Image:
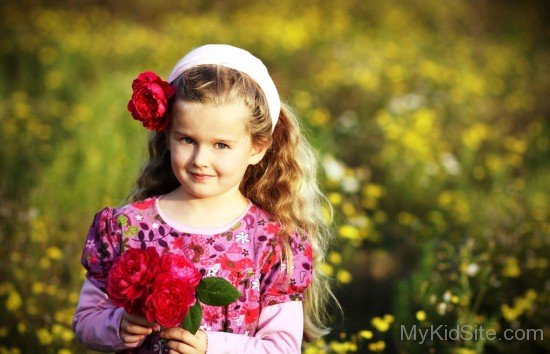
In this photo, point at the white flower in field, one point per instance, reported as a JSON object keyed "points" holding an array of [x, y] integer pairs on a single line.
{"points": [[242, 237], [350, 184], [139, 217], [441, 308], [447, 296], [348, 120], [359, 221], [333, 168], [155, 225], [472, 269], [450, 164], [408, 102]]}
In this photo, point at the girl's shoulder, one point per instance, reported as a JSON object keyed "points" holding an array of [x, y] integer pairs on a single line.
{"points": [[142, 209], [260, 215], [265, 229], [138, 206], [260, 222]]}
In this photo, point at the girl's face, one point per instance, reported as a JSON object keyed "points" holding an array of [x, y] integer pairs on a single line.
{"points": [[211, 148]]}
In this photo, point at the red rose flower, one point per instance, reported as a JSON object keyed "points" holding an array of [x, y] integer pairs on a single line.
{"points": [[180, 267], [169, 301], [149, 103], [162, 287], [130, 277]]}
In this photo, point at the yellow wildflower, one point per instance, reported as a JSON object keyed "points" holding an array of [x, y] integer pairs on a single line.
{"points": [[365, 334], [54, 253], [380, 324], [335, 257], [421, 315], [349, 232], [38, 287], [335, 198], [510, 314], [373, 190], [14, 301], [344, 276], [348, 209], [327, 269], [378, 346], [511, 268], [44, 336], [21, 327]]}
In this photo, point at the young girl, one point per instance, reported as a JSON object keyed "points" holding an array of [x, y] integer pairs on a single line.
{"points": [[231, 184]]}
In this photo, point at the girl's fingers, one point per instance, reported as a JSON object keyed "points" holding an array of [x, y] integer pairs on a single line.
{"points": [[180, 348], [180, 335], [136, 329], [130, 339]]}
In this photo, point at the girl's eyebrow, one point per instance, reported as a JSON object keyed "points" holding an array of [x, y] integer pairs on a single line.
{"points": [[222, 140], [226, 140]]}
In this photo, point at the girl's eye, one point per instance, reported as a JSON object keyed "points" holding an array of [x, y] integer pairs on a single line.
{"points": [[222, 146], [186, 140]]}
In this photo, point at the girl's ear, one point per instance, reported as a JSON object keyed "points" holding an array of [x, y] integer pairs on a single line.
{"points": [[258, 153]]}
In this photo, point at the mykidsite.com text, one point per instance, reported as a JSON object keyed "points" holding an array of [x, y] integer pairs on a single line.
{"points": [[466, 333]]}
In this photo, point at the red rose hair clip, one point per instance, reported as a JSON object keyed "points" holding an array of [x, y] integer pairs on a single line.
{"points": [[149, 103]]}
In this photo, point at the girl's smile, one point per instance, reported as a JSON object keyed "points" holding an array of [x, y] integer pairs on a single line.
{"points": [[200, 177]]}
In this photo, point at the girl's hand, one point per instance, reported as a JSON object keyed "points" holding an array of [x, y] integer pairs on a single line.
{"points": [[183, 342], [134, 329]]}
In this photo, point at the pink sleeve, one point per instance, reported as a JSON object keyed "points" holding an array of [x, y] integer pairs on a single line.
{"points": [[102, 246], [280, 330], [96, 321]]}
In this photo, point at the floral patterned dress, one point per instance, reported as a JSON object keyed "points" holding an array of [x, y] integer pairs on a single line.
{"points": [[247, 253]]}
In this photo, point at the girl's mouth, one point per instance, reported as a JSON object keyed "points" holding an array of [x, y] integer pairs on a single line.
{"points": [[199, 176]]}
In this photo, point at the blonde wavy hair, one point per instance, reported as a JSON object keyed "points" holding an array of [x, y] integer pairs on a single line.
{"points": [[284, 183]]}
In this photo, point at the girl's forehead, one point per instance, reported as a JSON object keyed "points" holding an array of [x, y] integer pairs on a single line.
{"points": [[210, 119]]}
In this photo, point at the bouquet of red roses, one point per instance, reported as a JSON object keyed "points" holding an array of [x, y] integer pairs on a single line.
{"points": [[165, 289]]}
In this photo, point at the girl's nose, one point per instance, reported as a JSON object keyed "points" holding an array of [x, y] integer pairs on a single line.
{"points": [[200, 159]]}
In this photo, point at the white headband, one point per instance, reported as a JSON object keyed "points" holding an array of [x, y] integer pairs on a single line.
{"points": [[234, 58]]}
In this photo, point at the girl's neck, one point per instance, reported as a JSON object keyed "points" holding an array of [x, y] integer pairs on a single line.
{"points": [[202, 212]]}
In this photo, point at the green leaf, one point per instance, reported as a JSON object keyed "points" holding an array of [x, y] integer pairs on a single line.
{"points": [[216, 291], [193, 319]]}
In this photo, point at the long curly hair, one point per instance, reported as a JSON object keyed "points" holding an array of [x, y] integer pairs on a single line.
{"points": [[284, 183]]}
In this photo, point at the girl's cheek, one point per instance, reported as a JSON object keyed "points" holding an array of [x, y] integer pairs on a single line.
{"points": [[180, 154]]}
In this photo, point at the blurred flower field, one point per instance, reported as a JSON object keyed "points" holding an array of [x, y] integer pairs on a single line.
{"points": [[431, 121]]}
